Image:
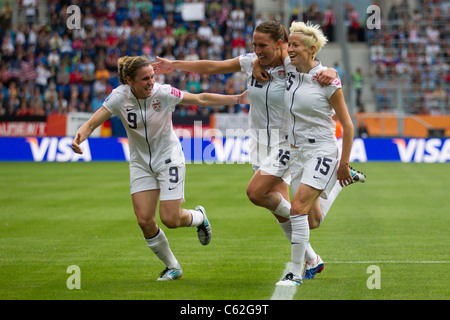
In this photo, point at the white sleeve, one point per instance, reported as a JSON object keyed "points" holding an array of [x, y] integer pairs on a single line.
{"points": [[173, 96], [113, 102], [331, 89], [246, 61]]}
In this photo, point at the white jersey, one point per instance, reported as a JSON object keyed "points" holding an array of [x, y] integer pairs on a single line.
{"points": [[268, 116], [307, 101], [152, 141]]}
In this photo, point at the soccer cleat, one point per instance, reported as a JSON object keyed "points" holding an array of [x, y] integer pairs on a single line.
{"points": [[170, 274], [204, 231], [357, 176], [290, 280], [311, 268]]}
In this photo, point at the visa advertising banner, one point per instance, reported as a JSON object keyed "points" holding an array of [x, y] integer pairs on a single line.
{"points": [[213, 150]]}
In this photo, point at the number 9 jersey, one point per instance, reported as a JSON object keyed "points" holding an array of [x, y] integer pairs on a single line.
{"points": [[153, 144]]}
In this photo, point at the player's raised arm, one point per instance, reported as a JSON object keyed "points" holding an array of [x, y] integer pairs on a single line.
{"points": [[213, 99], [100, 116], [197, 66]]}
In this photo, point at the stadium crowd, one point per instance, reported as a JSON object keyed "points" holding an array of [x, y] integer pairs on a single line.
{"points": [[410, 57], [54, 69]]}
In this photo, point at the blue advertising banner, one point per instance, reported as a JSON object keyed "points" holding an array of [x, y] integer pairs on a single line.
{"points": [[226, 150]]}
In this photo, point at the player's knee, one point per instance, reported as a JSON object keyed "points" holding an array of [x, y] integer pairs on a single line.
{"points": [[313, 223], [298, 209], [254, 196], [170, 222], [146, 222]]}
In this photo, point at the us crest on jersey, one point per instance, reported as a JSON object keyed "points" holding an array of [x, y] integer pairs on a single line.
{"points": [[156, 105]]}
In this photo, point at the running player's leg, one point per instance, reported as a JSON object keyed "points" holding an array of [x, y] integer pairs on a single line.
{"points": [[172, 215], [320, 210], [144, 204], [270, 192], [302, 201]]}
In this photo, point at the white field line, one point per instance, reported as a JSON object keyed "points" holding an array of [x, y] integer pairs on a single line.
{"points": [[386, 261], [287, 293], [284, 292]]}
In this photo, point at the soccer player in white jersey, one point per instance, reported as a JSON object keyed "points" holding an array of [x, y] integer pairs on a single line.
{"points": [[269, 148], [157, 164], [316, 163]]}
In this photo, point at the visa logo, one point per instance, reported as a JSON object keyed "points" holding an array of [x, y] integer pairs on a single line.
{"points": [[423, 150], [234, 150], [53, 149]]}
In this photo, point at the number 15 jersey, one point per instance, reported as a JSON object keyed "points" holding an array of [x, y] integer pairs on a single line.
{"points": [[307, 102]]}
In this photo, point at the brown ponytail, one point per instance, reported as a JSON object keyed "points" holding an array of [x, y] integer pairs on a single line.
{"points": [[275, 29]]}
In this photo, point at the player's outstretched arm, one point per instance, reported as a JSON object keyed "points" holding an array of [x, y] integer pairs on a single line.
{"points": [[197, 66], [100, 116], [213, 99]]}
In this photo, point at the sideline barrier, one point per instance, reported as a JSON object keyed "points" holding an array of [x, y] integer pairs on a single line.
{"points": [[226, 150], [393, 125]]}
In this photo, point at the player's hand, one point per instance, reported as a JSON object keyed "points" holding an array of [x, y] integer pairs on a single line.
{"points": [[243, 98], [259, 73], [163, 66], [76, 144], [326, 77], [343, 175]]}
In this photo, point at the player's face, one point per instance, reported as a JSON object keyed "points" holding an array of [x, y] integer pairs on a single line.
{"points": [[267, 50], [297, 50], [142, 84]]}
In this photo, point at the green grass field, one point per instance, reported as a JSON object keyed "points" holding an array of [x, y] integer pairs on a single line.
{"points": [[54, 215]]}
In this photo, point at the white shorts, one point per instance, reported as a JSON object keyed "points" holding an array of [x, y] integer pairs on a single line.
{"points": [[315, 164], [272, 160], [169, 181]]}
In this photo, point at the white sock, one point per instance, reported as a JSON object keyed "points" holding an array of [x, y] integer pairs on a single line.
{"points": [[325, 204], [287, 229], [284, 208], [160, 246], [310, 254], [197, 218], [299, 242]]}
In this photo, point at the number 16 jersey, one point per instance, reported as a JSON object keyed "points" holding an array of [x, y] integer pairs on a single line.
{"points": [[268, 116]]}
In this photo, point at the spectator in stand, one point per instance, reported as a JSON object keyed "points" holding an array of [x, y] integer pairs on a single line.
{"points": [[87, 69], [101, 71], [30, 7], [353, 32], [43, 74], [6, 15], [76, 77], [159, 22], [358, 84], [23, 110], [204, 32], [7, 48], [329, 21]]}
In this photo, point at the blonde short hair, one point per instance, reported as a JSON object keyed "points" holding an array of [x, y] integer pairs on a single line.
{"points": [[312, 35]]}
